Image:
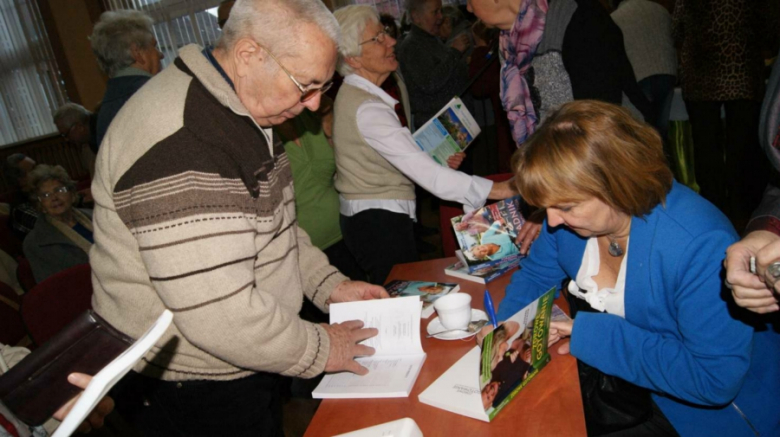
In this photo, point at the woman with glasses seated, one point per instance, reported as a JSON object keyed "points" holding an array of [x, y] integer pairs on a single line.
{"points": [[377, 159], [62, 236]]}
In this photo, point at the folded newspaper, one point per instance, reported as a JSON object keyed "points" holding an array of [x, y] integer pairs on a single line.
{"points": [[450, 131]]}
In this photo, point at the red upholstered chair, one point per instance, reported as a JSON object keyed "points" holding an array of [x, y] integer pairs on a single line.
{"points": [[24, 275], [448, 210], [57, 301], [9, 243], [11, 327]]}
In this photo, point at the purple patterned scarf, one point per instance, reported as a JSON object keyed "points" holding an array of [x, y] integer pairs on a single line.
{"points": [[518, 47]]}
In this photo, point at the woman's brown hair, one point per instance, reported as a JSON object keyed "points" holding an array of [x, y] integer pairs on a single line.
{"points": [[588, 148]]}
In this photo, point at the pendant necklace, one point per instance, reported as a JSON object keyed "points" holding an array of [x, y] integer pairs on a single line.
{"points": [[614, 247]]}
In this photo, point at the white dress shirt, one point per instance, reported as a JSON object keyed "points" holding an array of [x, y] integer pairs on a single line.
{"points": [[380, 127], [611, 300]]}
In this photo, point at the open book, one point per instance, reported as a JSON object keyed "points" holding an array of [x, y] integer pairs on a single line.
{"points": [[428, 292], [488, 236], [483, 382], [450, 131], [399, 356]]}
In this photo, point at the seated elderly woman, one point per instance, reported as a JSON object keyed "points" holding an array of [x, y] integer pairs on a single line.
{"points": [[377, 159], [645, 257], [62, 236]]}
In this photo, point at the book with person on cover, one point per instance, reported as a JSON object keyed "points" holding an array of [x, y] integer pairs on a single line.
{"points": [[398, 357], [481, 275], [428, 292], [487, 236], [450, 131], [487, 378]]}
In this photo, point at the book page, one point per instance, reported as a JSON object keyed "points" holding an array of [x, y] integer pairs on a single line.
{"points": [[450, 131], [387, 376], [398, 322]]}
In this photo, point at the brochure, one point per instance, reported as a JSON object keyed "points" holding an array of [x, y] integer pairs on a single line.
{"points": [[450, 131], [428, 292]]}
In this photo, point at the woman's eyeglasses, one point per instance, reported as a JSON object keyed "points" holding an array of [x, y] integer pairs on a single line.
{"points": [[379, 38], [46, 196]]}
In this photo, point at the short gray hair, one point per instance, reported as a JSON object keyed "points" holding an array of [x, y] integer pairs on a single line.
{"points": [[353, 20], [274, 24], [44, 172], [71, 113], [116, 34]]}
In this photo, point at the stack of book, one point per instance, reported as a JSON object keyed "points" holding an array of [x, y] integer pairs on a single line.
{"points": [[488, 241]]}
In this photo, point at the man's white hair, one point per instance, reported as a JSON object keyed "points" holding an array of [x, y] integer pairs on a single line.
{"points": [[353, 21], [71, 113], [276, 24], [114, 36]]}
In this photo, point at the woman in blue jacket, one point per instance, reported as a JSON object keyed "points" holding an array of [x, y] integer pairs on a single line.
{"points": [[645, 254]]}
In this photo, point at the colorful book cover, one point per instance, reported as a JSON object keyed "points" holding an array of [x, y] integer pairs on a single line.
{"points": [[513, 354], [486, 379], [482, 274], [488, 234], [450, 131], [428, 292]]}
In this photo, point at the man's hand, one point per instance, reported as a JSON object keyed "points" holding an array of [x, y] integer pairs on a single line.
{"points": [[95, 418], [456, 160], [350, 291], [753, 292], [344, 346], [559, 330], [460, 43], [530, 231]]}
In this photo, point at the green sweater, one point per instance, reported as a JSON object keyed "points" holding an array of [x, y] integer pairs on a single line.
{"points": [[313, 168]]}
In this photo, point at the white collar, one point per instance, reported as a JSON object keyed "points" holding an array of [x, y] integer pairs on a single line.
{"points": [[366, 85]]}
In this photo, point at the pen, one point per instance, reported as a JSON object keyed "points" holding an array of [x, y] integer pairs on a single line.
{"points": [[488, 301]]}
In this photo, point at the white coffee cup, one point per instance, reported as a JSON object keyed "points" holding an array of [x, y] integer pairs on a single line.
{"points": [[454, 310]]}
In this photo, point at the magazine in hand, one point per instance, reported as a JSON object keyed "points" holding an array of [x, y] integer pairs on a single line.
{"points": [[486, 379], [428, 292], [481, 275], [488, 236], [450, 131]]}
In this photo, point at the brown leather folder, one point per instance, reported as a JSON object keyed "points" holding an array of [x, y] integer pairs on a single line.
{"points": [[38, 386]]}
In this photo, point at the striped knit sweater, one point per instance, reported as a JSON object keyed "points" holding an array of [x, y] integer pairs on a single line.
{"points": [[195, 213]]}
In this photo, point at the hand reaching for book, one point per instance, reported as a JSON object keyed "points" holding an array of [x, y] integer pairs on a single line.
{"points": [[559, 330], [530, 231], [344, 346]]}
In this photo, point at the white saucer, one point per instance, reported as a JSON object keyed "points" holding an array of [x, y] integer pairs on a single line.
{"points": [[436, 326]]}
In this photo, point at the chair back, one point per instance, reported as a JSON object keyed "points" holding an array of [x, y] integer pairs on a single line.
{"points": [[11, 326], [448, 210], [57, 301], [24, 275], [9, 243]]}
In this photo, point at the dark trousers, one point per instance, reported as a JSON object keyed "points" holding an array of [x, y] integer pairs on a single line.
{"points": [[731, 169], [659, 89], [657, 426], [246, 406], [379, 239]]}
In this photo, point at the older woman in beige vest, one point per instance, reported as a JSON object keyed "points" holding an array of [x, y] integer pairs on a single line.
{"points": [[377, 159]]}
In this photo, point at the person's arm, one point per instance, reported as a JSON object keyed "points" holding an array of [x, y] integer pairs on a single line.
{"points": [[706, 366], [380, 127], [539, 272]]}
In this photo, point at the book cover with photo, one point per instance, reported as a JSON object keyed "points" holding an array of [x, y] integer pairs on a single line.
{"points": [[481, 274], [487, 378], [488, 235], [450, 131], [428, 292]]}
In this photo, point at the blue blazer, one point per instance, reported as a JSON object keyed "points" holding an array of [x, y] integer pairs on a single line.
{"points": [[682, 337]]}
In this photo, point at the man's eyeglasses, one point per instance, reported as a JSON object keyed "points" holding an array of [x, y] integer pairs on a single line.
{"points": [[46, 196], [307, 93], [379, 38]]}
